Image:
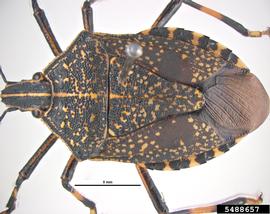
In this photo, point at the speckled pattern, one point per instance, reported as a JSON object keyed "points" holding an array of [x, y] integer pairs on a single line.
{"points": [[153, 117], [174, 53], [178, 56], [170, 139], [79, 99], [146, 98]]}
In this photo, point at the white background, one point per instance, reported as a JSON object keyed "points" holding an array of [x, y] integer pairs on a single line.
{"points": [[24, 51]]}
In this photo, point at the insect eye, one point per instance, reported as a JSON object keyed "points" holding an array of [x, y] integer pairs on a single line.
{"points": [[38, 76], [37, 113]]}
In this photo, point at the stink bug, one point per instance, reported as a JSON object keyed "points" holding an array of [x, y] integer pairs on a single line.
{"points": [[196, 105]]}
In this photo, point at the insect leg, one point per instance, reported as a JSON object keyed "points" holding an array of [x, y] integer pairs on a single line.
{"points": [[67, 177], [161, 207], [45, 28], [167, 13], [232, 23], [152, 190], [87, 14], [27, 170]]}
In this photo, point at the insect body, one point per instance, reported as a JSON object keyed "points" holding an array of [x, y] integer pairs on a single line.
{"points": [[181, 101]]}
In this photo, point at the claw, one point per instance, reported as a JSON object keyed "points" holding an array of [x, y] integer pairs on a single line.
{"points": [[259, 33], [257, 200], [266, 32]]}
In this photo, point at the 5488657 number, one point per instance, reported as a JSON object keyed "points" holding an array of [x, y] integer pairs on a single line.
{"points": [[242, 208]]}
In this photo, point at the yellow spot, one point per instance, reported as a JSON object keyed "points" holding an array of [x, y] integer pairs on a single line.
{"points": [[240, 64], [198, 105], [237, 140], [83, 54], [66, 79], [196, 37], [65, 66], [69, 125], [132, 146], [126, 113], [144, 146], [157, 107], [123, 119], [71, 142], [83, 139], [207, 128], [152, 142], [196, 75], [150, 101], [117, 126], [220, 47], [62, 125], [200, 64], [140, 141], [217, 152], [112, 61], [190, 120], [92, 117], [111, 132], [171, 32], [195, 126], [181, 142], [213, 134], [193, 162], [157, 133], [65, 109], [184, 56], [193, 80]]}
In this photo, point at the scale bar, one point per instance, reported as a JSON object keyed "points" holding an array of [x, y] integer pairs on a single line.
{"points": [[117, 185]]}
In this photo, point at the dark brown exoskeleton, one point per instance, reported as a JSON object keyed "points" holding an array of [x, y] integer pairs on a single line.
{"points": [[165, 99]]}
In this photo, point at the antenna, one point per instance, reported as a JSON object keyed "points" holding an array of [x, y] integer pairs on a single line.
{"points": [[4, 77]]}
